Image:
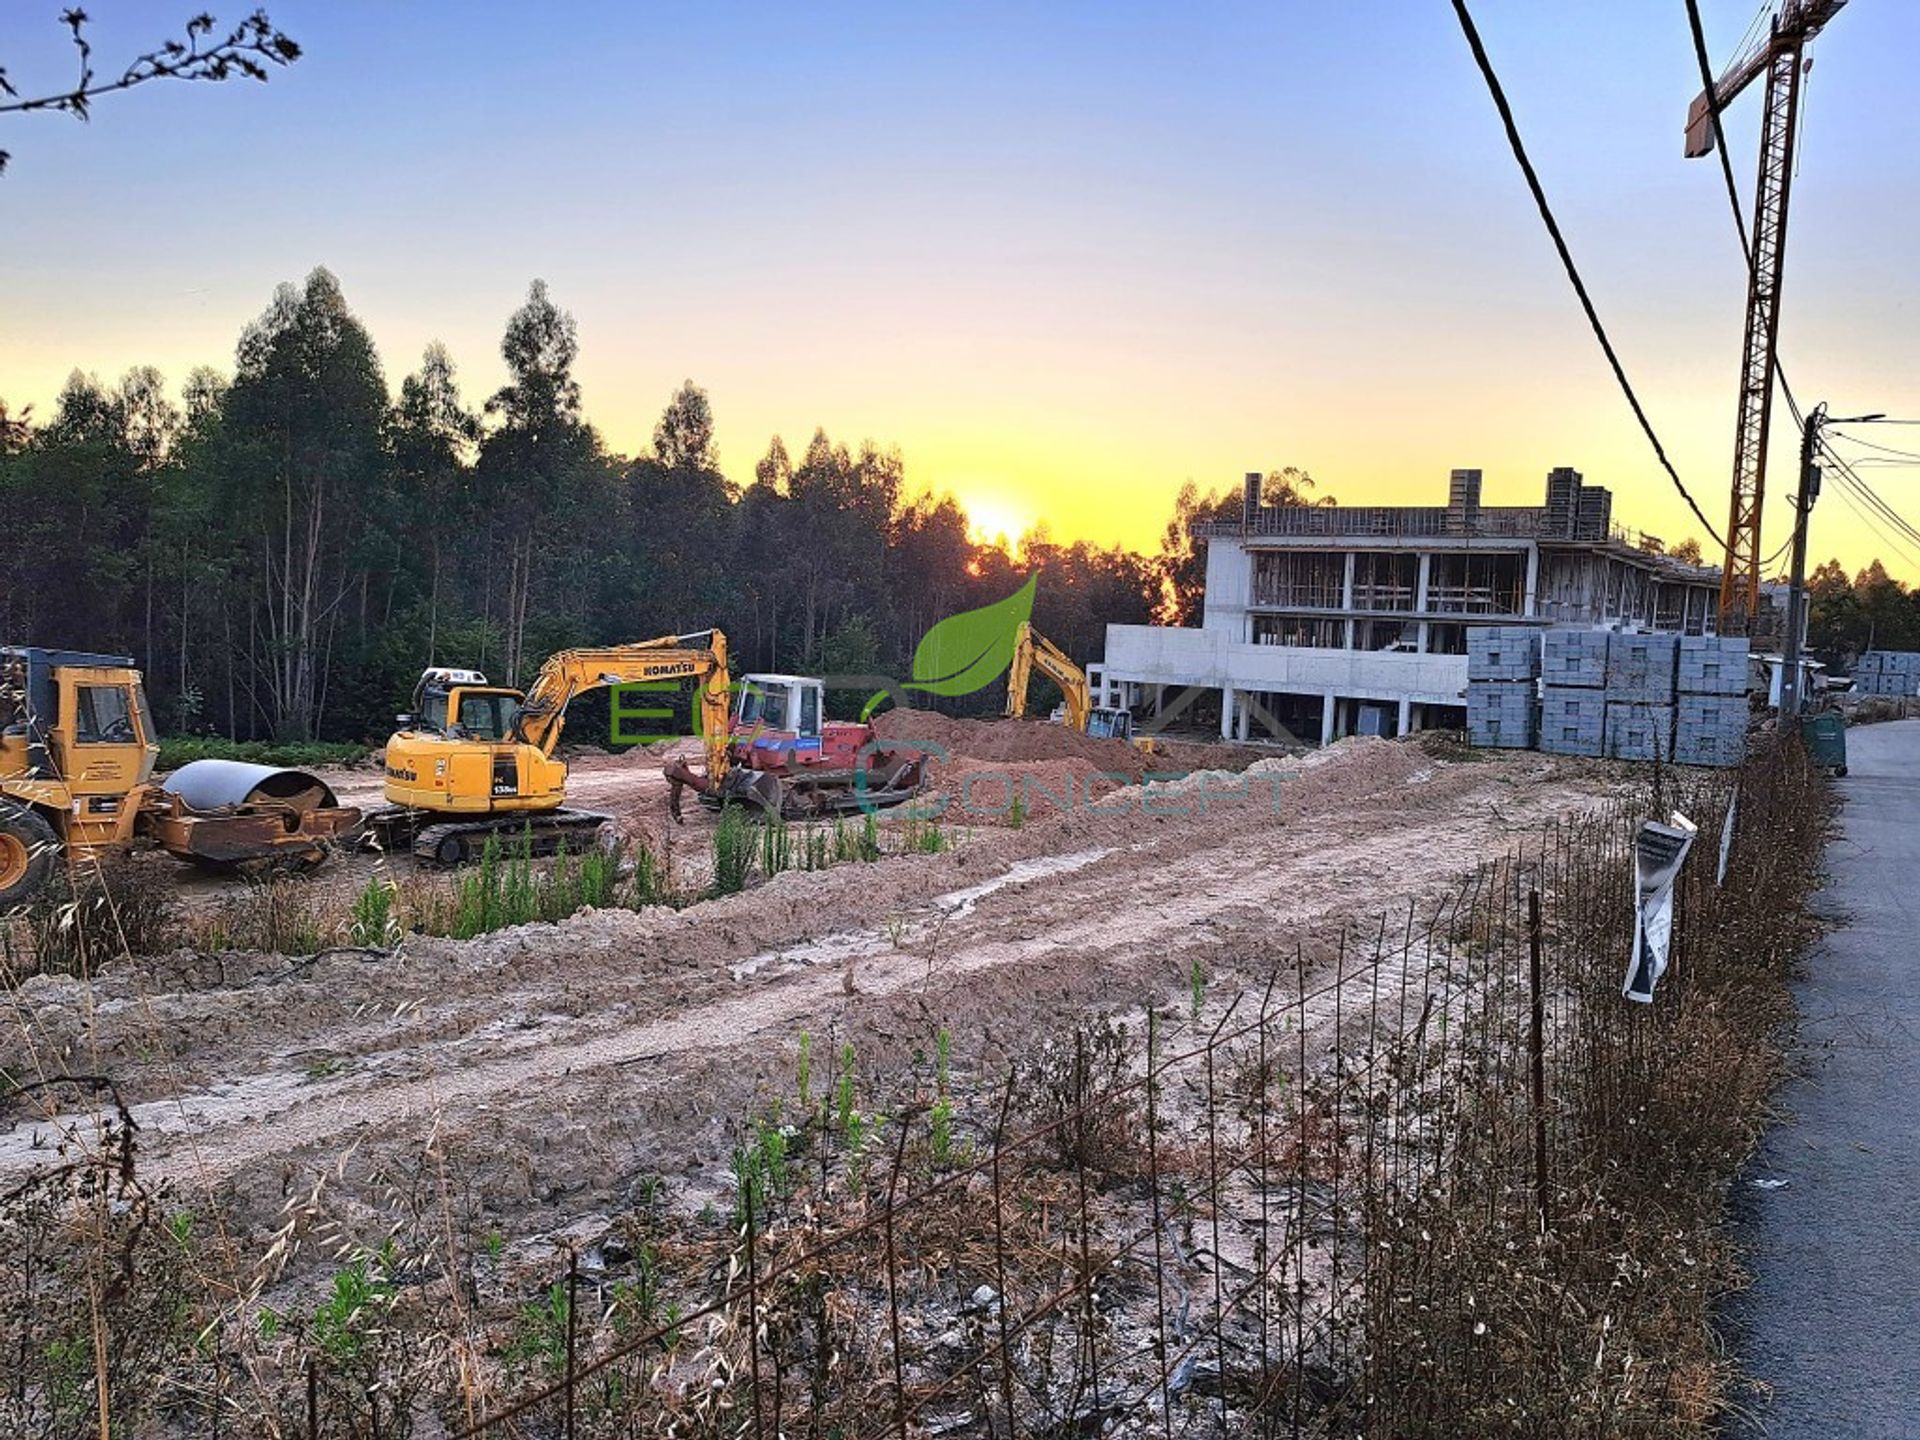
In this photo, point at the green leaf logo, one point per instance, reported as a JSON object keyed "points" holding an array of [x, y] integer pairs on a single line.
{"points": [[971, 650]]}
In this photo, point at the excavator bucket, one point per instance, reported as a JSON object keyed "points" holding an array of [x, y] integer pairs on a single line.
{"points": [[223, 813]]}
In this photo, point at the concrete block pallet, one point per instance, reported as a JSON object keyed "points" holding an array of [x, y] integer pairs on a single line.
{"points": [[1574, 657], [1502, 652], [1713, 665], [1711, 729], [1573, 720], [1639, 731], [1640, 668], [1500, 714]]}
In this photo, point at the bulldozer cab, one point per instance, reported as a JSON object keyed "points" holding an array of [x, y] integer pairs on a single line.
{"points": [[778, 711]]}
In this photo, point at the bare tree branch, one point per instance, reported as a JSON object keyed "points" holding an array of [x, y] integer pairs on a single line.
{"points": [[248, 49]]}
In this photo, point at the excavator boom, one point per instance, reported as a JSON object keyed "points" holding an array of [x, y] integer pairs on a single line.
{"points": [[1033, 651]]}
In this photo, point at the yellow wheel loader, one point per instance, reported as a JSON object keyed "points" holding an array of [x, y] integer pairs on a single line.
{"points": [[77, 751], [1033, 651]]}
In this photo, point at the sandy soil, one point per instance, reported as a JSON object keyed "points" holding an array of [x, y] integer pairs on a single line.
{"points": [[555, 1067]]}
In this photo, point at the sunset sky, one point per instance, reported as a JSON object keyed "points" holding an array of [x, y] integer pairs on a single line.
{"points": [[1065, 256]]}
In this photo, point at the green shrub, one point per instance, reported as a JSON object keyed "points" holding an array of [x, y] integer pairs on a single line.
{"points": [[178, 750], [374, 923], [733, 847]]}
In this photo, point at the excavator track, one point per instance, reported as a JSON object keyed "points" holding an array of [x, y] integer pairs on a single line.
{"points": [[448, 843]]}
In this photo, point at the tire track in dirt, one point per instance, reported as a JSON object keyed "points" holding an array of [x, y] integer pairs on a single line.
{"points": [[562, 1051]]}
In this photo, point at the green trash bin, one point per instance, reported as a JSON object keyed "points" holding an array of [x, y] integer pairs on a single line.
{"points": [[1826, 737]]}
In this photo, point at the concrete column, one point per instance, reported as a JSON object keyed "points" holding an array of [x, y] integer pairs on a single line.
{"points": [[1420, 640], [1421, 574], [1530, 604], [1226, 712], [1327, 704], [1406, 718], [1246, 718]]}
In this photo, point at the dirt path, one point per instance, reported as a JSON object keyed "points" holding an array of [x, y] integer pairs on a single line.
{"points": [[553, 1066]]}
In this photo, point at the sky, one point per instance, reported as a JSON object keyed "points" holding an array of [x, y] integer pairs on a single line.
{"points": [[1065, 256]]}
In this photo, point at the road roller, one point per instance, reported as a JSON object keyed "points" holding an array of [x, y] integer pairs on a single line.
{"points": [[77, 753]]}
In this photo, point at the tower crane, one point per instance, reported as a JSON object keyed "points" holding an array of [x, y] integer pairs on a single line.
{"points": [[1776, 54]]}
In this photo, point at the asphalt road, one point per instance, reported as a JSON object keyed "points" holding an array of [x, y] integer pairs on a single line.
{"points": [[1831, 1329]]}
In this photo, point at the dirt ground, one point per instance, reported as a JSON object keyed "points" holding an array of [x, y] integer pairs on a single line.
{"points": [[555, 1068]]}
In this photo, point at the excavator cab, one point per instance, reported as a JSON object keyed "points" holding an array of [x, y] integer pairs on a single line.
{"points": [[1110, 722]]}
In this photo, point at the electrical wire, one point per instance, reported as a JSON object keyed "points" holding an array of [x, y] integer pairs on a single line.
{"points": [[1872, 445], [1519, 148], [1848, 476], [1868, 521]]}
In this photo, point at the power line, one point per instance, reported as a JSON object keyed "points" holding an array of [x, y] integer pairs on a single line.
{"points": [[1566, 260], [1868, 520], [1872, 445], [1850, 480]]}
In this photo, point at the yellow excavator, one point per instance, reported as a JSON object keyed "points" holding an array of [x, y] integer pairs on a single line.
{"points": [[77, 754], [474, 760], [1033, 651]]}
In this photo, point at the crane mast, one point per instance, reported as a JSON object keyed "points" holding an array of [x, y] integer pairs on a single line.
{"points": [[1777, 55]]}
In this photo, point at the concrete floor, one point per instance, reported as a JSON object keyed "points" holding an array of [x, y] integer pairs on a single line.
{"points": [[1831, 1329]]}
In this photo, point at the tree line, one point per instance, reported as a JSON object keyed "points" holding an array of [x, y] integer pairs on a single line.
{"points": [[283, 549], [1870, 611]]}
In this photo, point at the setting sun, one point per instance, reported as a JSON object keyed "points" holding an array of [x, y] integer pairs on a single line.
{"points": [[992, 519]]}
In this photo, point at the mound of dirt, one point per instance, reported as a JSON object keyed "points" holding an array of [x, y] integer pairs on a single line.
{"points": [[1015, 741]]}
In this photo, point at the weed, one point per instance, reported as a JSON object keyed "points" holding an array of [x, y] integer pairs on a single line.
{"points": [[375, 923], [496, 1245], [350, 1316], [924, 837], [897, 930], [540, 1331], [1017, 811], [869, 847], [277, 915], [733, 846], [806, 1071], [1197, 986], [94, 913], [650, 884], [776, 847]]}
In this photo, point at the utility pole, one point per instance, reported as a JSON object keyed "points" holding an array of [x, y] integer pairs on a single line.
{"points": [[1790, 696]]}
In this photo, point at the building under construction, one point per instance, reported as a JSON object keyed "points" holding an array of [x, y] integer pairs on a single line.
{"points": [[1333, 620]]}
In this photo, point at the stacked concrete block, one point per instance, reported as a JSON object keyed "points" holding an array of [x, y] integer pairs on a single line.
{"points": [[1711, 730], [1573, 719], [1500, 714], [1639, 730], [1711, 711], [1640, 669], [1502, 663], [1503, 652], [1713, 665], [1887, 672], [1574, 657]]}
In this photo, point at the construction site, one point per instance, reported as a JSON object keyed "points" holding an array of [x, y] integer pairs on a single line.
{"points": [[511, 929]]}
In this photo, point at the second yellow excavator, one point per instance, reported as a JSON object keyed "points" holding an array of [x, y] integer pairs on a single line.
{"points": [[474, 760], [1033, 651]]}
